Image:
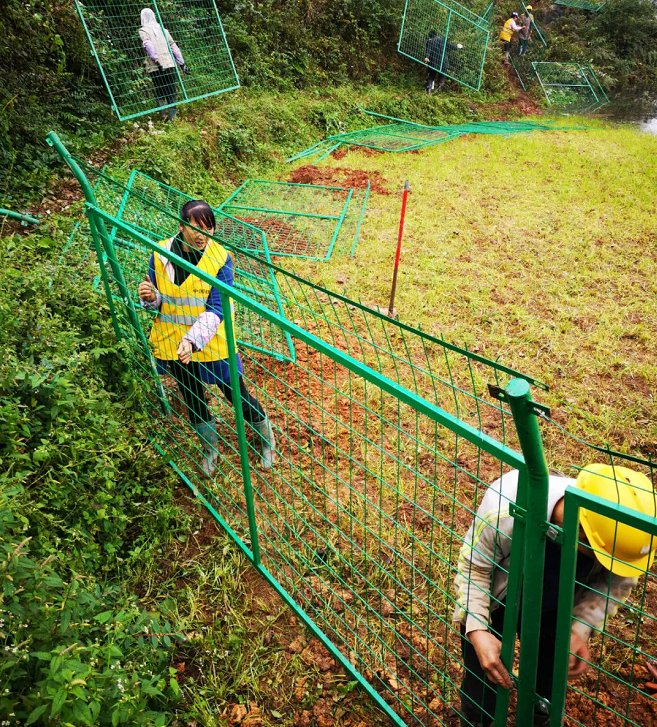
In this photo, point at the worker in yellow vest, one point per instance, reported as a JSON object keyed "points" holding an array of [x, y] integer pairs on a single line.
{"points": [[188, 335], [510, 27]]}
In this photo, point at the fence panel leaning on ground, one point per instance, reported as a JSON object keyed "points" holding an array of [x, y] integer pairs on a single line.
{"points": [[155, 54], [385, 450]]}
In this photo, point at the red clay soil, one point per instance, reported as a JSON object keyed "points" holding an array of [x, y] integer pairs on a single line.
{"points": [[341, 176]]}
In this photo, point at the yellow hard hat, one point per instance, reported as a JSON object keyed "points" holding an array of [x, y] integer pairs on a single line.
{"points": [[623, 550], [528, 7]]}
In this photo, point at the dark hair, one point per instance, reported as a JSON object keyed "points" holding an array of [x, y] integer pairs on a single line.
{"points": [[198, 213], [432, 34]]}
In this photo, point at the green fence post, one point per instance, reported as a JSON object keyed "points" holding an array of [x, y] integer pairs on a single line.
{"points": [[524, 416], [226, 306]]}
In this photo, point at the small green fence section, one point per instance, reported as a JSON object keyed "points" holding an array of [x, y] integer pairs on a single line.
{"points": [[387, 442], [447, 38], [622, 647], [402, 135], [525, 53], [570, 87], [136, 84], [593, 5], [301, 220]]}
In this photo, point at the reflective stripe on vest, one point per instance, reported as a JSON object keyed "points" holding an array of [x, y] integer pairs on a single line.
{"points": [[507, 30], [183, 304]]}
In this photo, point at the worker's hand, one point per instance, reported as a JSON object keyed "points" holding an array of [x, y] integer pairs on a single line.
{"points": [[184, 352], [459, 46], [146, 291], [426, 60], [579, 655], [488, 648]]}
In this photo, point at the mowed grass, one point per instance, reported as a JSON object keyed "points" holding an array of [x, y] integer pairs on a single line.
{"points": [[538, 250]]}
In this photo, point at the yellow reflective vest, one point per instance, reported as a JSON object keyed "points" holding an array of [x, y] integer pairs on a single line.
{"points": [[507, 31], [183, 304]]}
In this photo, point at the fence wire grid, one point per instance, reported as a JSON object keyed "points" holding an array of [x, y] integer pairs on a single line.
{"points": [[432, 32], [193, 61], [525, 54], [592, 5], [403, 135], [570, 86], [301, 220], [388, 451]]}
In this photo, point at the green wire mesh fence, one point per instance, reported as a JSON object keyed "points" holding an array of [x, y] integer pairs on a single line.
{"points": [[570, 86], [376, 499], [300, 220], [193, 58], [593, 5], [445, 37], [525, 53], [618, 688], [153, 207], [403, 135]]}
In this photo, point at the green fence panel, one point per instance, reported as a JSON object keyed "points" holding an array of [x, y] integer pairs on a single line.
{"points": [[154, 207], [523, 56], [453, 25], [360, 520], [614, 690], [593, 5], [300, 220], [570, 86], [137, 86]]}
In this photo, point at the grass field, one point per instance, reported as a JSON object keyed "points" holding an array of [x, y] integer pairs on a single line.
{"points": [[538, 250]]}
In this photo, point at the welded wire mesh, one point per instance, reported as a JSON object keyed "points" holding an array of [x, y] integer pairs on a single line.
{"points": [[139, 85], [404, 136], [300, 220], [153, 207], [527, 51], [445, 37], [618, 687], [362, 516], [568, 86], [593, 5]]}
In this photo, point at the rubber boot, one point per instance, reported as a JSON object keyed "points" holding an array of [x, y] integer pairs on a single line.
{"points": [[267, 443], [430, 85], [207, 432], [172, 113]]}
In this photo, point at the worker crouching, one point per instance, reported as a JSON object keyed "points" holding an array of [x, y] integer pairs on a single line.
{"points": [[610, 560]]}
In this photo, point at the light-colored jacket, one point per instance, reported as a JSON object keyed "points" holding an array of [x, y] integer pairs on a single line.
{"points": [[484, 563], [160, 46]]}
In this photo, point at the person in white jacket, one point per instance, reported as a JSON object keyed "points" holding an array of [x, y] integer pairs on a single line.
{"points": [[606, 573], [162, 56]]}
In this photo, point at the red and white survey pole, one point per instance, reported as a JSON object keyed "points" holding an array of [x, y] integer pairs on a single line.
{"points": [[391, 304]]}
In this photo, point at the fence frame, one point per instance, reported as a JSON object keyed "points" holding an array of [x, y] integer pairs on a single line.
{"points": [[115, 107], [574, 499], [481, 22], [528, 539]]}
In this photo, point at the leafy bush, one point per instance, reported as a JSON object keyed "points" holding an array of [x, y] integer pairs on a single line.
{"points": [[73, 651], [84, 504]]}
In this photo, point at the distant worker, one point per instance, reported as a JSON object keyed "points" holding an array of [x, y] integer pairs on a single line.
{"points": [[606, 573], [162, 56], [437, 58], [525, 33], [188, 334], [510, 27]]}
